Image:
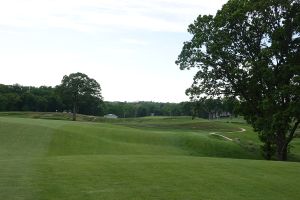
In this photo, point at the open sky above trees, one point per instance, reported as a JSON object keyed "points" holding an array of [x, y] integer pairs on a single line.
{"points": [[129, 47]]}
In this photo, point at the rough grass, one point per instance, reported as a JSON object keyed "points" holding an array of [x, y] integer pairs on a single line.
{"points": [[56, 159]]}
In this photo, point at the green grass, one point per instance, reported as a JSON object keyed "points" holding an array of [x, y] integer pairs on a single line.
{"points": [[147, 158]]}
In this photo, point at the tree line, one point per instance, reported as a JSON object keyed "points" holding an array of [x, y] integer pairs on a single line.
{"points": [[52, 99], [44, 99]]}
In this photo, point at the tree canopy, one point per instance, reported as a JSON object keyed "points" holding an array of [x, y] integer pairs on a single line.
{"points": [[251, 50], [78, 85]]}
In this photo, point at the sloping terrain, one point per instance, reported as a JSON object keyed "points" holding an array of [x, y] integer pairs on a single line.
{"points": [[155, 158]]}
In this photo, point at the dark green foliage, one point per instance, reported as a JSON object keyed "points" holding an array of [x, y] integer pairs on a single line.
{"points": [[251, 50], [49, 99], [214, 108], [78, 89], [24, 98], [194, 109], [143, 108], [45, 99]]}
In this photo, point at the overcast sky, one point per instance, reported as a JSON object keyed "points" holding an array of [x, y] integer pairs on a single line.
{"points": [[128, 46]]}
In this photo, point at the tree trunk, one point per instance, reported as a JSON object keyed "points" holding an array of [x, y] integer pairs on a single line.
{"points": [[268, 151], [74, 111], [281, 146], [282, 152], [283, 142]]}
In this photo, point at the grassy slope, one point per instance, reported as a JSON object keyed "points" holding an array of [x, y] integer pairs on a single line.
{"points": [[46, 159]]}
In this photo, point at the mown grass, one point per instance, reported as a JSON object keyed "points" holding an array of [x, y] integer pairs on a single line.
{"points": [[57, 159], [165, 177]]}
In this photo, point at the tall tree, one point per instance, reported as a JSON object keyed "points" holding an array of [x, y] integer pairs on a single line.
{"points": [[251, 50], [78, 85]]}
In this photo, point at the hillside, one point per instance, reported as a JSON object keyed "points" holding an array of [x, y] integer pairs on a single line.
{"points": [[144, 158]]}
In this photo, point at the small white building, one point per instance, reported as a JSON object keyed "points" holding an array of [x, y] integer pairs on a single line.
{"points": [[111, 116]]}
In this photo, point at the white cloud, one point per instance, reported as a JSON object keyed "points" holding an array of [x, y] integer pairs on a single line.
{"points": [[134, 41], [64, 22], [90, 15]]}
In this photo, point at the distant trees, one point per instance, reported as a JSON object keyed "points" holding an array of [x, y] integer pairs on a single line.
{"points": [[219, 108], [78, 89], [24, 98], [142, 109], [251, 50], [215, 108], [52, 99]]}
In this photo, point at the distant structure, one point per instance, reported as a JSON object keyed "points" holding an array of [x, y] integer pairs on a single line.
{"points": [[111, 116], [217, 115]]}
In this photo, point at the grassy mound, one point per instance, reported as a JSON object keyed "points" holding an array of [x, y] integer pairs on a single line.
{"points": [[129, 159]]}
